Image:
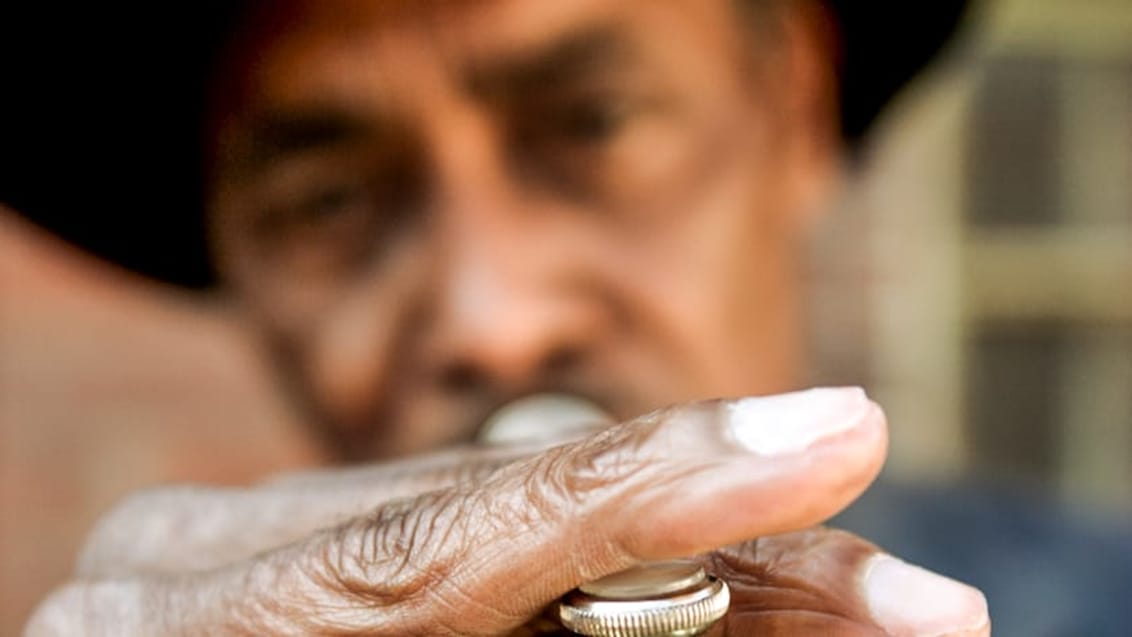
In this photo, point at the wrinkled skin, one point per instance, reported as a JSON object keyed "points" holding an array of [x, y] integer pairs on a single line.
{"points": [[511, 532], [432, 208]]}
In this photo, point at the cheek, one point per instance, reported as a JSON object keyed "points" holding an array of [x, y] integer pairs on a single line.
{"points": [[345, 363], [713, 281], [350, 355]]}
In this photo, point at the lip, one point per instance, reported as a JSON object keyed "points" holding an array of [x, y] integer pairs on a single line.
{"points": [[542, 416]]}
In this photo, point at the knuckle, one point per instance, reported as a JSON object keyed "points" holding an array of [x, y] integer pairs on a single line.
{"points": [[58, 613], [613, 463], [549, 491], [398, 554], [99, 607], [581, 478], [133, 532], [139, 507], [415, 566], [417, 554]]}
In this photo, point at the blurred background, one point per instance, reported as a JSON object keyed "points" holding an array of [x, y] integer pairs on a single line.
{"points": [[978, 279], [996, 211]]}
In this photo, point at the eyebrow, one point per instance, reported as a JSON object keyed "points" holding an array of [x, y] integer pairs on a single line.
{"points": [[577, 55], [277, 134]]}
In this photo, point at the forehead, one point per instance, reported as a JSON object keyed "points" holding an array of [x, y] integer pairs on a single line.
{"points": [[376, 50]]}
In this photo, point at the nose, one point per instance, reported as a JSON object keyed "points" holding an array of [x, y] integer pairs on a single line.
{"points": [[508, 317], [510, 310]]}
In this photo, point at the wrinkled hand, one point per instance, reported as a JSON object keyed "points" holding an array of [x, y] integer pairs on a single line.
{"points": [[482, 542]]}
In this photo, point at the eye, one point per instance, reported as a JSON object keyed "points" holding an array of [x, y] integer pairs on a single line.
{"points": [[331, 214], [326, 204], [579, 142], [591, 121]]}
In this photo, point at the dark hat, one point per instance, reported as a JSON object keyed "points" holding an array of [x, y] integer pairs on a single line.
{"points": [[100, 120]]}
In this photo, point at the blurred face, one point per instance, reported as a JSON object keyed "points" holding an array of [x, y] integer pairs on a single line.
{"points": [[434, 208]]}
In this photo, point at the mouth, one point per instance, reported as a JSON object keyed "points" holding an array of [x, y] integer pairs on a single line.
{"points": [[545, 416]]}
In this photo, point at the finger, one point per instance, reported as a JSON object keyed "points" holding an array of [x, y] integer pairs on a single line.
{"points": [[190, 528], [828, 582], [482, 559]]}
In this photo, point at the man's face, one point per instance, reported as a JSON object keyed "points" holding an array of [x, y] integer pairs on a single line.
{"points": [[433, 208]]}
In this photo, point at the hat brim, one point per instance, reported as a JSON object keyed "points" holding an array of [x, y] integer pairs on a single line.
{"points": [[102, 117], [883, 46]]}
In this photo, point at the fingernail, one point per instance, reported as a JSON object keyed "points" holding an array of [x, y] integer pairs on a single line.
{"points": [[908, 600], [789, 423]]}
